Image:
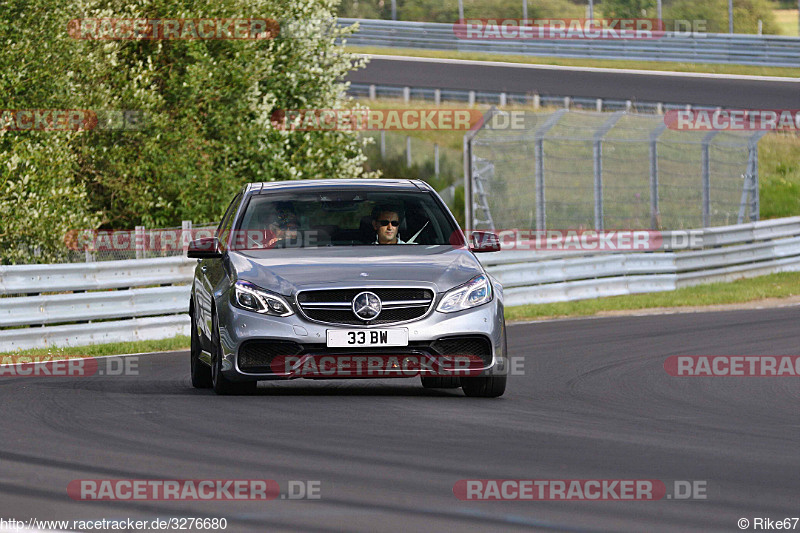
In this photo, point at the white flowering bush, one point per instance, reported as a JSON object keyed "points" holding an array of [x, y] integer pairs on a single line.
{"points": [[206, 106]]}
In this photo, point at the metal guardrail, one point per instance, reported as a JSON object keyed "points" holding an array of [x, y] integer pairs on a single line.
{"points": [[150, 295], [776, 51], [726, 253], [147, 312]]}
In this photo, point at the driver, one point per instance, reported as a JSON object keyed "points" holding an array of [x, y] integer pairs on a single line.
{"points": [[386, 222], [282, 226]]}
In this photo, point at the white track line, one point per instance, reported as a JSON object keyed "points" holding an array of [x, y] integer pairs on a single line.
{"points": [[583, 69]]}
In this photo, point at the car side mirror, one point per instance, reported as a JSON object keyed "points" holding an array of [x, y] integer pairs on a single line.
{"points": [[204, 248], [484, 241]]}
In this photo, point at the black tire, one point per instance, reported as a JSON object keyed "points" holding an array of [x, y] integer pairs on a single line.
{"points": [[201, 372], [219, 382], [440, 382], [484, 386]]}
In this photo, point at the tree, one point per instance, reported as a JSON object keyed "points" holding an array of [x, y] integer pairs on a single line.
{"points": [[206, 106]]}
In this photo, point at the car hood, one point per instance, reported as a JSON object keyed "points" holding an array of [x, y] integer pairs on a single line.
{"points": [[287, 271]]}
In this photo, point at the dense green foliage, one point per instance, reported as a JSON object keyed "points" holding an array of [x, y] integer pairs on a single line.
{"points": [[206, 103]]}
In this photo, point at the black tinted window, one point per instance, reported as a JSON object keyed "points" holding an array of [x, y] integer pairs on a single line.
{"points": [[342, 218]]}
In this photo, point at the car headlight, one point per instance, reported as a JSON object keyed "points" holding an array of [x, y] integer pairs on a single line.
{"points": [[248, 296], [475, 292]]}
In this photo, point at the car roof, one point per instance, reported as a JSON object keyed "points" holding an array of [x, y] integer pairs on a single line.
{"points": [[327, 184]]}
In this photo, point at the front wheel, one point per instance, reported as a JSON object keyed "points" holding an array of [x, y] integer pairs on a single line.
{"points": [[201, 373], [222, 385], [484, 386]]}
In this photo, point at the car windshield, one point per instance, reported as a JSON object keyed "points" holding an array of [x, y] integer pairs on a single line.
{"points": [[343, 218]]}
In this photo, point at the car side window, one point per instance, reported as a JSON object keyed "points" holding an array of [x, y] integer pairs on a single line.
{"points": [[224, 230]]}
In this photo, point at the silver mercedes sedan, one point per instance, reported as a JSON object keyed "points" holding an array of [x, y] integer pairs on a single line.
{"points": [[345, 279]]}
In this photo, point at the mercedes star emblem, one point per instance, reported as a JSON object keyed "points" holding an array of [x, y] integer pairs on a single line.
{"points": [[367, 305]]}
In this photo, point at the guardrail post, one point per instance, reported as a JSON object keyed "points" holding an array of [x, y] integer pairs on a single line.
{"points": [[599, 105], [436, 159], [406, 94], [471, 98], [654, 214], [437, 96], [597, 152], [408, 151], [706, 176], [139, 241], [537, 101], [372, 92], [503, 99], [383, 144]]}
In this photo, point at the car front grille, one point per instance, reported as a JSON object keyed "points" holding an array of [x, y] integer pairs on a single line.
{"points": [[334, 306]]}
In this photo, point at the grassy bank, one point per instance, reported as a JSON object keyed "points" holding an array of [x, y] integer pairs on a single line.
{"points": [[115, 348], [781, 285]]}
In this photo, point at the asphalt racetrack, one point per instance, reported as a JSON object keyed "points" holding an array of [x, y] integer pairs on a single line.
{"points": [[745, 92], [594, 402]]}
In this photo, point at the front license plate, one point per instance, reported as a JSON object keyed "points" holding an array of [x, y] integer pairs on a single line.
{"points": [[349, 338]]}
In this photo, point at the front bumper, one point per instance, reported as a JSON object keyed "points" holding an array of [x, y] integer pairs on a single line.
{"points": [[305, 346]]}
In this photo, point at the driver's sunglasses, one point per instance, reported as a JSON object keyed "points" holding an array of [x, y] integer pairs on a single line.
{"points": [[394, 223]]}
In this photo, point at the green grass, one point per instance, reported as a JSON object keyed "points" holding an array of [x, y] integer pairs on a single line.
{"points": [[115, 348], [779, 175], [577, 62], [787, 21], [781, 285]]}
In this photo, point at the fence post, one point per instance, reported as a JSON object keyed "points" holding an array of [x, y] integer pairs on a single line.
{"points": [[706, 176], [468, 180], [139, 241], [186, 235], [755, 206], [597, 152], [538, 137], [654, 214]]}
